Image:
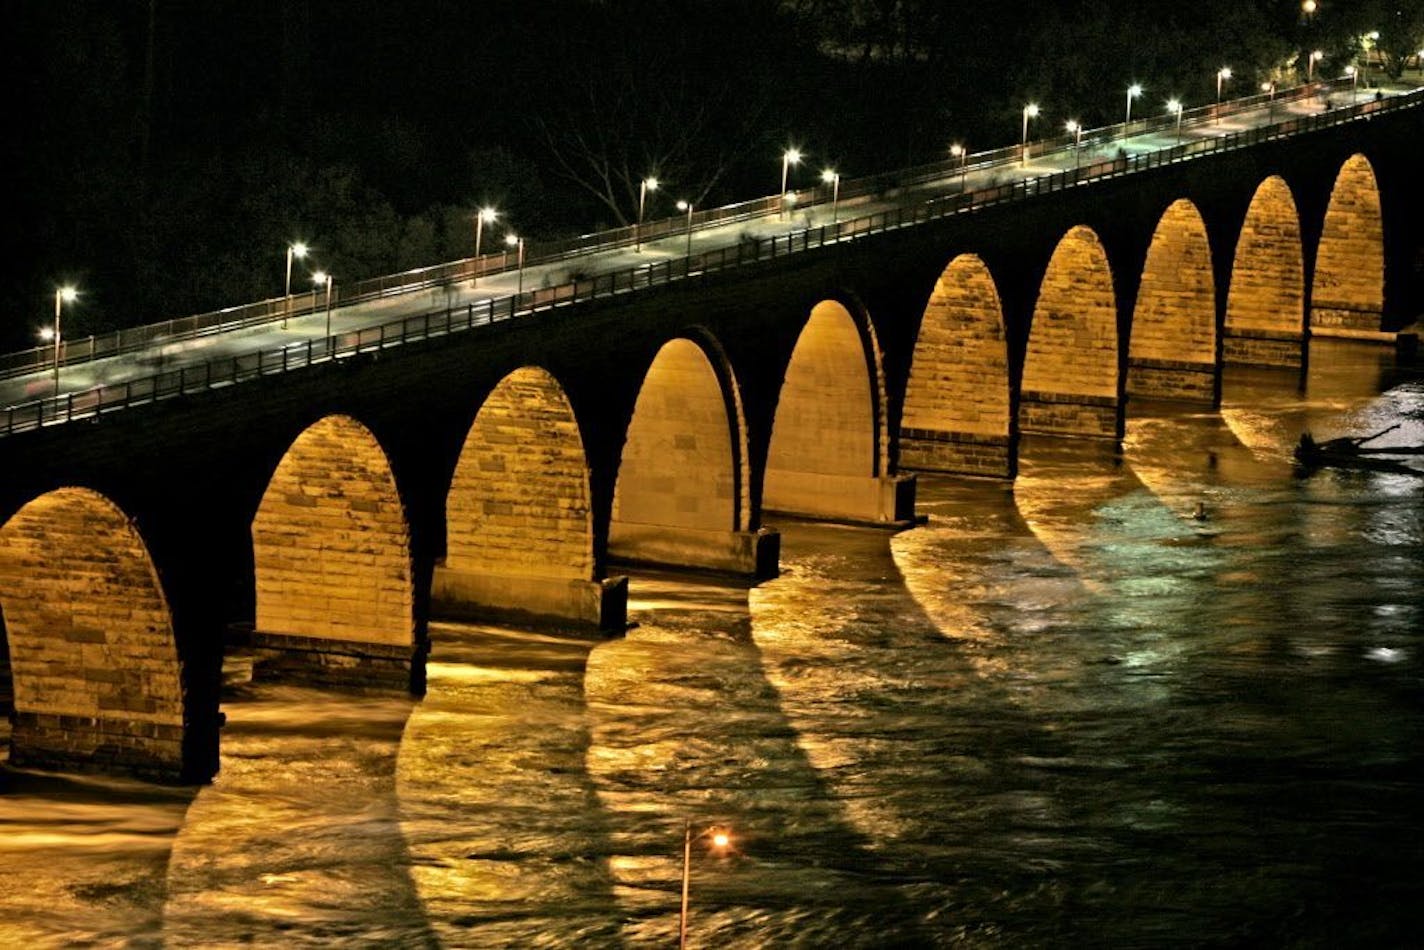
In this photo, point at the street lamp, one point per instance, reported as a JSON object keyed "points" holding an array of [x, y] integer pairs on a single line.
{"points": [[789, 157], [1354, 75], [958, 151], [648, 184], [512, 240], [1075, 129], [1133, 91], [1222, 74], [721, 841], [1030, 111], [687, 206], [1270, 88], [298, 250], [1308, 8], [833, 178], [485, 215], [322, 279], [1175, 106], [62, 296], [1315, 57]]}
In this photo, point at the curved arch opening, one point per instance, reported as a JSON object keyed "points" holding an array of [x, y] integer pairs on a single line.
{"points": [[519, 520], [957, 415], [331, 551], [827, 450], [1070, 376], [96, 672], [1265, 306], [1172, 347], [1348, 290], [679, 497]]}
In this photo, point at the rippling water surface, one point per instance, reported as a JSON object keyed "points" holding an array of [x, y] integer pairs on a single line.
{"points": [[1061, 713]]}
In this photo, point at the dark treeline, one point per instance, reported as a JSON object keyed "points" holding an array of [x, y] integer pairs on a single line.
{"points": [[165, 153]]}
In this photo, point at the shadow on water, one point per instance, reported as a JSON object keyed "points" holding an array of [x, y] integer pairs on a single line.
{"points": [[685, 726], [296, 842], [510, 847]]}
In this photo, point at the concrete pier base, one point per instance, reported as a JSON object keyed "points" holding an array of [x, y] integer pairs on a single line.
{"points": [[1069, 414], [957, 453], [468, 595], [151, 750], [1248, 347], [754, 554], [888, 499], [343, 664], [1173, 380]]}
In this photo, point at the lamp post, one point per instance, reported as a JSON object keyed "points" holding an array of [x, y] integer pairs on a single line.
{"points": [[1222, 74], [687, 206], [789, 157], [957, 150], [1075, 129], [833, 178], [1270, 89], [1030, 111], [62, 296], [298, 250], [1315, 57], [646, 185], [322, 279], [1354, 75], [1175, 106], [721, 840], [1308, 8], [515, 241], [1133, 91], [485, 214]]}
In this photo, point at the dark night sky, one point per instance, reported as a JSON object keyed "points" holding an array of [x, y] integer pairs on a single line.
{"points": [[373, 128]]}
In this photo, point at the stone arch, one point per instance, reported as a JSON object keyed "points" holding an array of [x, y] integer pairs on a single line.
{"points": [[1265, 305], [519, 519], [1172, 347], [332, 556], [1348, 289], [680, 497], [957, 415], [828, 449], [1070, 375], [98, 680]]}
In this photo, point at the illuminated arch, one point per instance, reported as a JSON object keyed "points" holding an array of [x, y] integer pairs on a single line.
{"points": [[1348, 290], [957, 415], [1070, 376], [96, 671], [1265, 305], [331, 544], [681, 487], [827, 431], [1172, 347]]}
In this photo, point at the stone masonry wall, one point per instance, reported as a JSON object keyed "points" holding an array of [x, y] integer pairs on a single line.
{"points": [[1172, 349], [1348, 290]]}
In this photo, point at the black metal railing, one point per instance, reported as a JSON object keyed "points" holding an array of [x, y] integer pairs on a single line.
{"points": [[229, 370]]}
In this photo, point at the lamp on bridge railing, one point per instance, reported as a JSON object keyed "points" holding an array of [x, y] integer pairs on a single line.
{"points": [[1075, 128], [957, 150], [485, 215], [721, 842], [1270, 89], [513, 240], [1174, 106], [62, 296], [1315, 57], [1222, 74], [298, 250], [1030, 111], [646, 185], [1133, 91], [1354, 75], [791, 156], [1308, 8], [322, 279], [687, 206], [833, 178]]}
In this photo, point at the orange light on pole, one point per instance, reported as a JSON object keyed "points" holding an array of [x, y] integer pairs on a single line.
{"points": [[298, 250], [62, 296], [648, 184], [486, 215], [1030, 111], [721, 842], [833, 178]]}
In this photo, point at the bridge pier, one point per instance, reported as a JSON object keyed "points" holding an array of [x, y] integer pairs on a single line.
{"points": [[755, 554], [473, 595], [356, 665], [1070, 414], [1178, 380], [957, 453], [883, 499], [1258, 347]]}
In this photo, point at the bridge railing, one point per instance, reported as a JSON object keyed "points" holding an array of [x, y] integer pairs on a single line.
{"points": [[264, 312], [224, 371]]}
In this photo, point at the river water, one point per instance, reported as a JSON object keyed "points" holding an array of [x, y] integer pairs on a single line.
{"points": [[1061, 713]]}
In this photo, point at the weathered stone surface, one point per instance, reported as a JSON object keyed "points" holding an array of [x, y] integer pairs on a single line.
{"points": [[97, 681], [1265, 306], [1172, 346], [1348, 290], [957, 453]]}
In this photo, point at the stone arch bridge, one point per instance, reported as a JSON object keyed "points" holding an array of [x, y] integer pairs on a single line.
{"points": [[509, 471]]}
